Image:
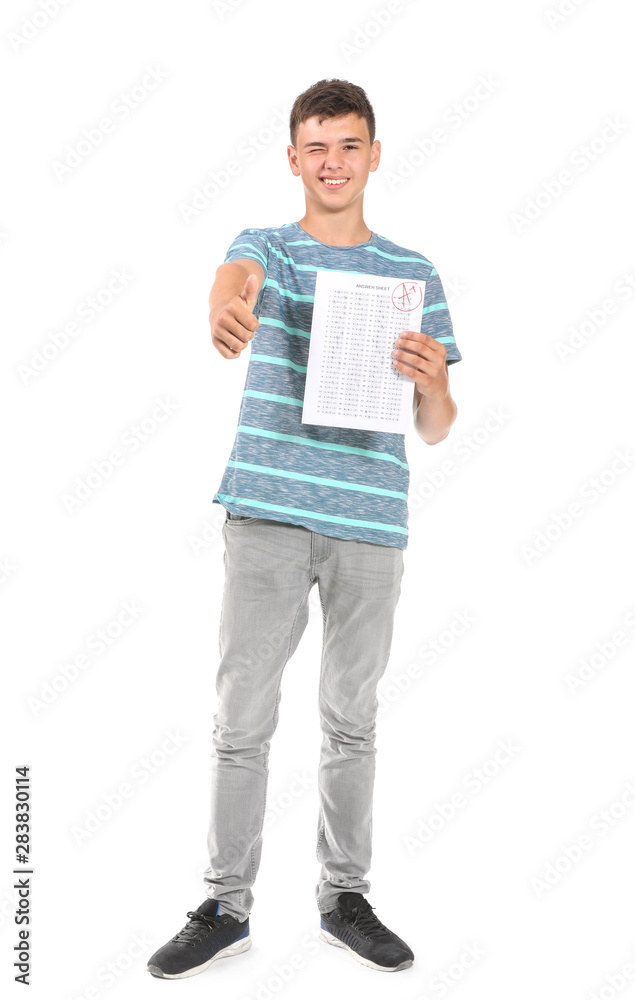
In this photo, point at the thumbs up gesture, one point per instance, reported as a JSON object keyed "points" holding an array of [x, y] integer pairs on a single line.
{"points": [[234, 325]]}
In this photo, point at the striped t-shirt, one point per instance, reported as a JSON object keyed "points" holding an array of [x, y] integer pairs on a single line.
{"points": [[337, 481]]}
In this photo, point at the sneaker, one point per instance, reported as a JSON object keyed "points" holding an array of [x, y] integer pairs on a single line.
{"points": [[205, 938], [354, 926]]}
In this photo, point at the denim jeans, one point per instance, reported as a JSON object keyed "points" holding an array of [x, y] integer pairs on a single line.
{"points": [[270, 568]]}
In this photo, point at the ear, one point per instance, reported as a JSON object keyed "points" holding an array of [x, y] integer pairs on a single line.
{"points": [[293, 161]]}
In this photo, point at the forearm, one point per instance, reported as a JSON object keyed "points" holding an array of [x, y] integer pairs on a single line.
{"points": [[230, 281], [433, 416]]}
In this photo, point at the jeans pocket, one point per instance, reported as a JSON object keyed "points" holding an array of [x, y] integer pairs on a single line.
{"points": [[231, 518]]}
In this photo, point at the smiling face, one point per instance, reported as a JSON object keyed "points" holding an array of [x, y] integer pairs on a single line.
{"points": [[334, 159]]}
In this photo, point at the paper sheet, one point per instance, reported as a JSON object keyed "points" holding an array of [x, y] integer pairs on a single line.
{"points": [[351, 380]]}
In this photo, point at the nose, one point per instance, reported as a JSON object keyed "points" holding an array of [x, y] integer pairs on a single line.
{"points": [[333, 162]]}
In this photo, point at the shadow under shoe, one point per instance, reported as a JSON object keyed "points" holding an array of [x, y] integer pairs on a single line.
{"points": [[206, 937], [353, 925]]}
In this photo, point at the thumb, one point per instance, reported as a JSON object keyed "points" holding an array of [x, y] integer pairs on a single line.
{"points": [[249, 293]]}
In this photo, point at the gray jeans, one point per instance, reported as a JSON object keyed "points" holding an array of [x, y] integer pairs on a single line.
{"points": [[270, 567]]}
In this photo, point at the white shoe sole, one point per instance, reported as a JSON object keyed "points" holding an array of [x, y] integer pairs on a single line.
{"points": [[244, 944], [331, 939]]}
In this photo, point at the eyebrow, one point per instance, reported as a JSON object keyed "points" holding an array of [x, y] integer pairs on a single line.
{"points": [[352, 139]]}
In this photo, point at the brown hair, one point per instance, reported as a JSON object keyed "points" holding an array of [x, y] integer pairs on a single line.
{"points": [[330, 99]]}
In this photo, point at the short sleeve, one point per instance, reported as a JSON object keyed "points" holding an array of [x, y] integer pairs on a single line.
{"points": [[250, 243], [436, 320]]}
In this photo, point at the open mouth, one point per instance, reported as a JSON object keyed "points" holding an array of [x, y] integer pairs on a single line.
{"points": [[334, 185]]}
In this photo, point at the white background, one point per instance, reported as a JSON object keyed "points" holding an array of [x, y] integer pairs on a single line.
{"points": [[480, 501]]}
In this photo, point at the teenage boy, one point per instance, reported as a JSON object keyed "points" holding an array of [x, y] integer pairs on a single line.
{"points": [[307, 504]]}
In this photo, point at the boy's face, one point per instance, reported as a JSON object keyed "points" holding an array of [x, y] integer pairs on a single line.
{"points": [[338, 148]]}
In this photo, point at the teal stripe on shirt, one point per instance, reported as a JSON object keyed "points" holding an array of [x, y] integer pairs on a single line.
{"points": [[249, 246], [323, 481], [316, 515], [295, 439], [273, 398], [278, 361]]}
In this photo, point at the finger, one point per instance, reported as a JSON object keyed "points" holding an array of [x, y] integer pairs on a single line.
{"points": [[223, 349], [230, 329], [420, 343], [414, 354], [239, 309], [436, 358], [249, 293], [422, 367]]}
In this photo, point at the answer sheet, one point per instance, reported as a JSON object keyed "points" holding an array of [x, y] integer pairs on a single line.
{"points": [[351, 380]]}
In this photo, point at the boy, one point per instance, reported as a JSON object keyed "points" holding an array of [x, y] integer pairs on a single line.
{"points": [[308, 503]]}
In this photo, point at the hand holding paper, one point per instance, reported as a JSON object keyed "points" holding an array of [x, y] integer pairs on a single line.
{"points": [[350, 379], [422, 358]]}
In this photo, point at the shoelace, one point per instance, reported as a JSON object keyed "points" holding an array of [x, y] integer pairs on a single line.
{"points": [[191, 930], [364, 920]]}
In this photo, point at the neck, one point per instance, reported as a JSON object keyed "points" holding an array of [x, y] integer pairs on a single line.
{"points": [[338, 232]]}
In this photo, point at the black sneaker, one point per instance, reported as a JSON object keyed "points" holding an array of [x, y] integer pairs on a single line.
{"points": [[205, 938], [354, 926]]}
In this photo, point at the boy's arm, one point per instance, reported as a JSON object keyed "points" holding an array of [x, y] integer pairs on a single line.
{"points": [[433, 408], [434, 412], [231, 304]]}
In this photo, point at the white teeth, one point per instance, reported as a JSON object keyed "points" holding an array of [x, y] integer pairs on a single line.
{"points": [[327, 181]]}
